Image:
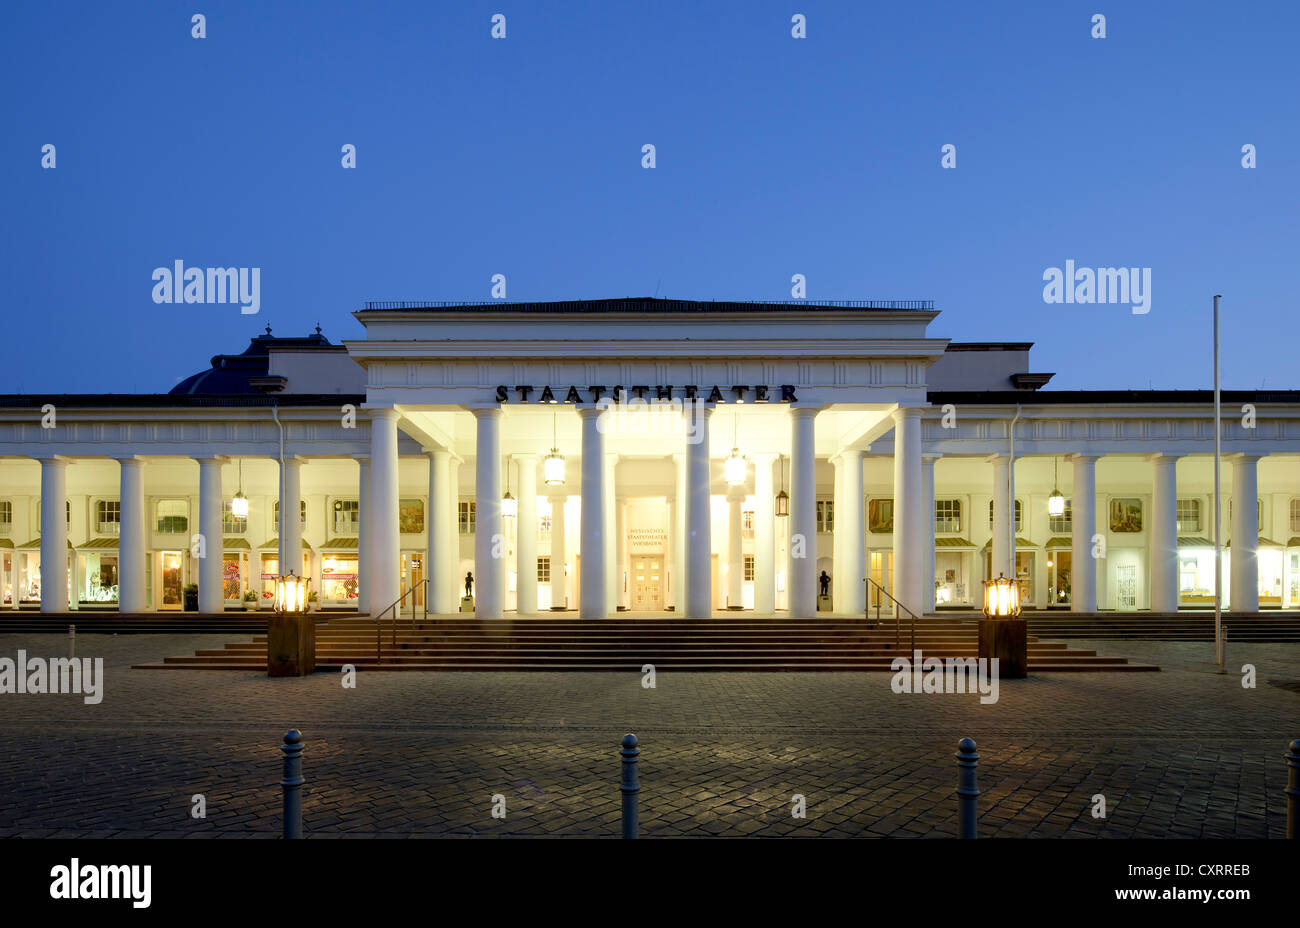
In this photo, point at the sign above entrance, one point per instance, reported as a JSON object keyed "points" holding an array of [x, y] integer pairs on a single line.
{"points": [[647, 540], [738, 393]]}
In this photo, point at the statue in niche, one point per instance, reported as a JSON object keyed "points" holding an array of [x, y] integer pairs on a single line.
{"points": [[825, 581], [469, 585]]}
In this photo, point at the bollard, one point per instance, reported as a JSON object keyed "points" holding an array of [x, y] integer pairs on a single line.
{"points": [[630, 787], [72, 642], [292, 783], [967, 761], [1293, 791]]}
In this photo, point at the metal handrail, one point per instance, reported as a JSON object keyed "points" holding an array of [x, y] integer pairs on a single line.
{"points": [[379, 617], [897, 618]]}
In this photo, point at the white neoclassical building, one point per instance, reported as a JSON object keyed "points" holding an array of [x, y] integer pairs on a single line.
{"points": [[644, 455]]}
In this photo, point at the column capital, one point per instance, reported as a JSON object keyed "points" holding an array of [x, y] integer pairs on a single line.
{"points": [[522, 456], [382, 412], [803, 410], [1160, 457], [360, 457], [1244, 457], [908, 412], [929, 457], [486, 412], [1084, 458], [130, 460]]}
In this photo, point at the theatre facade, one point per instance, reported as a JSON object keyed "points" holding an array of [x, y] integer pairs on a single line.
{"points": [[644, 456]]}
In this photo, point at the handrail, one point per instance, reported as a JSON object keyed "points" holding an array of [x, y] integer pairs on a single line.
{"points": [[897, 618], [379, 617]]}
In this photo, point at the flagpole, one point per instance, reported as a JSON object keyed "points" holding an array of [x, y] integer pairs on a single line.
{"points": [[1219, 656]]}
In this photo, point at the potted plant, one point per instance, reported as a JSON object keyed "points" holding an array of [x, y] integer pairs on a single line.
{"points": [[250, 601], [191, 597], [313, 601]]}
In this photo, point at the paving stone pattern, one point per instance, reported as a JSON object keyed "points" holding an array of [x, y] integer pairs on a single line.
{"points": [[1184, 752]]}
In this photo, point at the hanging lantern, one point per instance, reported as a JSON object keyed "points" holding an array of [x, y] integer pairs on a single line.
{"points": [[509, 506], [735, 468], [783, 498], [239, 503], [553, 463], [290, 594], [1055, 502], [1001, 598]]}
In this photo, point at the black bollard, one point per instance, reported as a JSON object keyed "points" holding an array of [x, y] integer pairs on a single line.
{"points": [[292, 783], [967, 761], [1293, 791], [630, 787]]}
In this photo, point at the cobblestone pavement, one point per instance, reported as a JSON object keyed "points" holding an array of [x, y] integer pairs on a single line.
{"points": [[1183, 753]]}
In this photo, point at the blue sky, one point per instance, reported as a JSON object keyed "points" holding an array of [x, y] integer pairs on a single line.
{"points": [[775, 156]]}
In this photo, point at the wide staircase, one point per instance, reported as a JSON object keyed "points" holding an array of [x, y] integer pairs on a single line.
{"points": [[626, 644], [1165, 626]]}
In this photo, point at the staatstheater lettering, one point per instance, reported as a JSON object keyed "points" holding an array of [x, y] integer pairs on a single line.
{"points": [[663, 393]]}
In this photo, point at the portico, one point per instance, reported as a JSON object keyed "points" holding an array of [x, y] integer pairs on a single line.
{"points": [[618, 456]]}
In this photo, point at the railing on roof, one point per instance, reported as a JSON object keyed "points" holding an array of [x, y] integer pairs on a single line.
{"points": [[615, 305]]}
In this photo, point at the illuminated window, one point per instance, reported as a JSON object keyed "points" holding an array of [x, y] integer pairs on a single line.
{"points": [[232, 524], [7, 516], [466, 517], [108, 516], [543, 570], [947, 516], [749, 566], [347, 516], [302, 513], [173, 516], [1189, 516], [825, 515]]}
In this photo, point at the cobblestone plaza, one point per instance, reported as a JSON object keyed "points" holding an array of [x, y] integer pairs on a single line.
{"points": [[1181, 753]]}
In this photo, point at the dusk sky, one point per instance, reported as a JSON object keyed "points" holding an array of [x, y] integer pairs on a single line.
{"points": [[775, 156]]}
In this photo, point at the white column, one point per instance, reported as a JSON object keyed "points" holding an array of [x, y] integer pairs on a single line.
{"points": [[131, 594], [382, 536], [451, 550], [489, 570], [680, 541], [927, 531], [54, 534], [1083, 521], [291, 522], [839, 575], [365, 553], [211, 595], [764, 537], [699, 526], [620, 557], [1164, 534], [849, 523], [1002, 516], [803, 514], [909, 555], [613, 532], [442, 582], [591, 543], [1243, 556], [559, 577], [526, 545], [735, 558]]}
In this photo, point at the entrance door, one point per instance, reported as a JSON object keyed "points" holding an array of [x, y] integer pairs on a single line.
{"points": [[882, 575], [412, 575], [1058, 577], [647, 584], [1126, 586], [173, 580]]}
